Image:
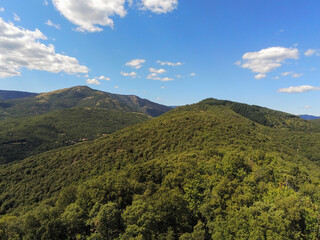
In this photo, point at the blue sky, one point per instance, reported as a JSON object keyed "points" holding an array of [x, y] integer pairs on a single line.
{"points": [[174, 52]]}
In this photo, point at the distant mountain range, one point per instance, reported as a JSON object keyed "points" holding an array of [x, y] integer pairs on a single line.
{"points": [[7, 95], [309, 117]]}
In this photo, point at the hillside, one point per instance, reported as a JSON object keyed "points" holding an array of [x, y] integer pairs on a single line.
{"points": [[23, 137], [213, 170], [80, 96], [7, 95]]}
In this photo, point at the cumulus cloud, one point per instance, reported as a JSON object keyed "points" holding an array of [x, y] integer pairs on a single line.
{"points": [[93, 81], [103, 78], [45, 2], [16, 17], [192, 74], [266, 60], [116, 87], [299, 89], [88, 14], [96, 80], [132, 74], [260, 76], [311, 52], [2, 9], [154, 75], [170, 63], [157, 71], [51, 24], [136, 63], [307, 106], [166, 79], [159, 6], [21, 48]]}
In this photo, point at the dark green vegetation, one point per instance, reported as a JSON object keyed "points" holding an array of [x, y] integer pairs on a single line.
{"points": [[21, 138], [7, 95], [80, 96], [50, 120], [213, 170]]}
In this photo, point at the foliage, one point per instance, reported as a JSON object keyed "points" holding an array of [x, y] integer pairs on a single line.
{"points": [[197, 172]]}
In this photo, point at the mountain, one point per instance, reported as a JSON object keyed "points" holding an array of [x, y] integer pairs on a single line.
{"points": [[7, 95], [309, 117], [212, 170], [79, 96]]}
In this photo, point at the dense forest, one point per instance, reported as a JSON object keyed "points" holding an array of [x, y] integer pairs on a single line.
{"points": [[212, 170]]}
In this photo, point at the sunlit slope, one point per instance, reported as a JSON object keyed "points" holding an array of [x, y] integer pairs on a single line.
{"points": [[81, 96], [197, 172]]}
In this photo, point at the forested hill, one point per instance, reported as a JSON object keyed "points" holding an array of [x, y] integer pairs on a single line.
{"points": [[7, 95], [79, 96], [213, 170], [23, 137]]}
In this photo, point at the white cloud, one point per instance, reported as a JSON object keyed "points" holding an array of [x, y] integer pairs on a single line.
{"points": [[45, 3], [307, 106], [297, 75], [159, 6], [16, 17], [192, 74], [286, 73], [157, 71], [116, 87], [294, 75], [103, 78], [93, 81], [268, 59], [299, 89], [51, 24], [179, 76], [154, 76], [170, 63], [87, 14], [276, 78], [2, 9], [162, 87], [132, 74], [21, 48], [311, 52], [260, 76], [166, 79], [136, 63]]}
